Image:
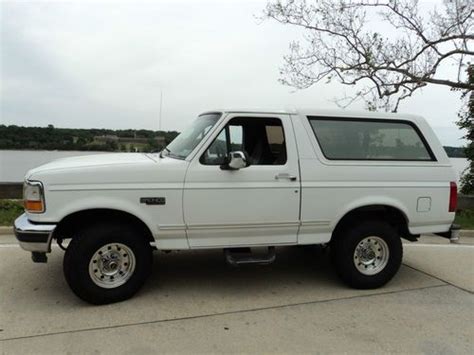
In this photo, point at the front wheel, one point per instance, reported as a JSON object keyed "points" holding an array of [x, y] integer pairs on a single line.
{"points": [[107, 263], [367, 255]]}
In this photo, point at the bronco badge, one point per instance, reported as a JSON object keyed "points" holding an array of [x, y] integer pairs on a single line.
{"points": [[153, 200]]}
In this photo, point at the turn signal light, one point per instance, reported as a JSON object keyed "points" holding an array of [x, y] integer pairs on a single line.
{"points": [[33, 197], [34, 206]]}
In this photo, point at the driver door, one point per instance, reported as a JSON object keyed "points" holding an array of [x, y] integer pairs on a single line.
{"points": [[255, 205]]}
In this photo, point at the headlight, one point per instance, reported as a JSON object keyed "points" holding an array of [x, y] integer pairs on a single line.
{"points": [[33, 196]]}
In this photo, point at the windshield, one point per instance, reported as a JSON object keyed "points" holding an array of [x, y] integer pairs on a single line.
{"points": [[185, 143]]}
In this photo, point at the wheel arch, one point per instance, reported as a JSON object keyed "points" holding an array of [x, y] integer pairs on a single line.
{"points": [[75, 220], [394, 215]]}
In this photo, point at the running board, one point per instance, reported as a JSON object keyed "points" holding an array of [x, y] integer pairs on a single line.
{"points": [[241, 256]]}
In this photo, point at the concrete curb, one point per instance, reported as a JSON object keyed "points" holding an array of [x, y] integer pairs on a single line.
{"points": [[6, 230], [467, 233]]}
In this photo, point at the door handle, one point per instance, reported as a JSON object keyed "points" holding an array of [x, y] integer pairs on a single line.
{"points": [[285, 176]]}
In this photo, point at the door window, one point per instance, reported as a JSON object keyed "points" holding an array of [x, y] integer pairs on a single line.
{"points": [[261, 139]]}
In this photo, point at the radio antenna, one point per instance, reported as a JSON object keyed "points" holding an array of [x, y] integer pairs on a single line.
{"points": [[161, 109]]}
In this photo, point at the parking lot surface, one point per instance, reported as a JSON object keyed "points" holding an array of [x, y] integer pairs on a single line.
{"points": [[195, 303]]}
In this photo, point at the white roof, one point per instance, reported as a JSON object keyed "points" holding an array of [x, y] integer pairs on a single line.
{"points": [[324, 113]]}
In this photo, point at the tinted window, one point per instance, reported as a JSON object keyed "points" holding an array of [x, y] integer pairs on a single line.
{"points": [[349, 139]]}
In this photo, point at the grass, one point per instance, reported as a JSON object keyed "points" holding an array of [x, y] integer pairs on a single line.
{"points": [[465, 218], [11, 209]]}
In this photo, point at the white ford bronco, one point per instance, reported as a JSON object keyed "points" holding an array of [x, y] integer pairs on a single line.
{"points": [[237, 180]]}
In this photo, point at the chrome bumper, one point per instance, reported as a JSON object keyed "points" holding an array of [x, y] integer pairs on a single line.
{"points": [[33, 237]]}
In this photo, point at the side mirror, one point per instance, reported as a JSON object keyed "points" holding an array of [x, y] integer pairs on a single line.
{"points": [[237, 160]]}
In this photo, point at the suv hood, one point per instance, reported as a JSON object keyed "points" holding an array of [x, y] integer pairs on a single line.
{"points": [[96, 160]]}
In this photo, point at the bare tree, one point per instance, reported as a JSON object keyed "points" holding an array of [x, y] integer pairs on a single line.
{"points": [[386, 49]]}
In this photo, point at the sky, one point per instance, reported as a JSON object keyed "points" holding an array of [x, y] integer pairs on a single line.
{"points": [[105, 64]]}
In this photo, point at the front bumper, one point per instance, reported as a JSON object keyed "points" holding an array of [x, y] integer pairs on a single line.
{"points": [[34, 237]]}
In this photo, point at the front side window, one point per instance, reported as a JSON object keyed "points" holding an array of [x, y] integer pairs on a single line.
{"points": [[185, 143], [261, 139], [364, 139]]}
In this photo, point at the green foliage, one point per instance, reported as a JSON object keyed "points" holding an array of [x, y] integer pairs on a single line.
{"points": [[465, 218], [466, 121], [9, 211], [51, 138]]}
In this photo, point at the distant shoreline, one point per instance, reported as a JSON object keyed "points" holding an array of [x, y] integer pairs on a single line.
{"points": [[83, 140]]}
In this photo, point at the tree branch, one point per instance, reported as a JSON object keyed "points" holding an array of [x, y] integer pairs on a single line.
{"points": [[341, 43]]}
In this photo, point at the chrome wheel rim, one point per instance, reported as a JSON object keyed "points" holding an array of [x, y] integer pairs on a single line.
{"points": [[371, 255], [112, 265]]}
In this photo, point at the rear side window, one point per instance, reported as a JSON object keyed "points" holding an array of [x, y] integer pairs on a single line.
{"points": [[364, 139]]}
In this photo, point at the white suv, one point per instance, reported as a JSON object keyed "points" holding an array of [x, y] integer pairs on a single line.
{"points": [[238, 179]]}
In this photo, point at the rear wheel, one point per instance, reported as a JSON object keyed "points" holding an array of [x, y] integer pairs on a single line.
{"points": [[107, 263], [367, 255]]}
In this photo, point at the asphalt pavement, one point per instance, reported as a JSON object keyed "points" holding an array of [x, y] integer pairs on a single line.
{"points": [[195, 303]]}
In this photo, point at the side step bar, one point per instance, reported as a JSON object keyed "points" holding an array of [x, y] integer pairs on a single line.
{"points": [[241, 256]]}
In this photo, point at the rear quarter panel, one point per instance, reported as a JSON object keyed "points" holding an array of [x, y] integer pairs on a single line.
{"points": [[331, 189]]}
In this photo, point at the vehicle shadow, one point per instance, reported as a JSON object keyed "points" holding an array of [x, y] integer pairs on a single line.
{"points": [[208, 269]]}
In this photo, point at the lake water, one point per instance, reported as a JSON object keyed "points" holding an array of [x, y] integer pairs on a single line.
{"points": [[15, 163]]}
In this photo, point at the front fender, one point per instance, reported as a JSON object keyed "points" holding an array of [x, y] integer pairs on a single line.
{"points": [[58, 212]]}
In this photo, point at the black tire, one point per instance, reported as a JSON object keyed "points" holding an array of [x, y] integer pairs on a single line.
{"points": [[85, 244], [344, 245]]}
